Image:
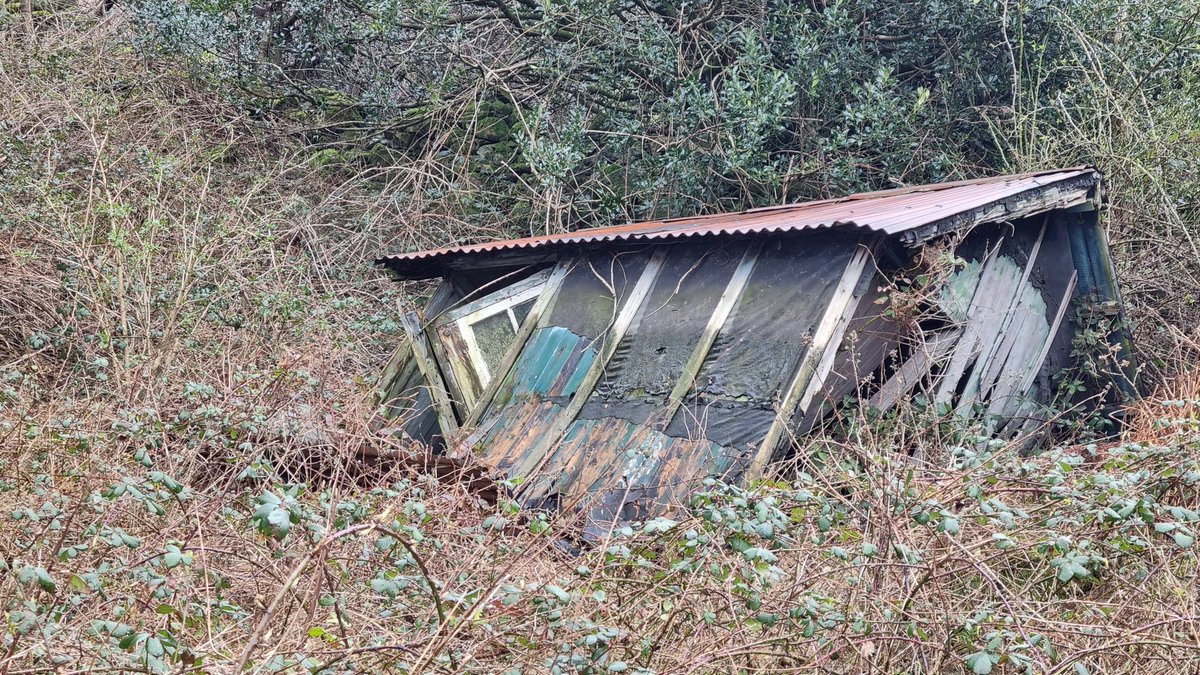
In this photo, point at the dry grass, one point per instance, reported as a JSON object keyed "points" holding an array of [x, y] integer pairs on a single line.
{"points": [[186, 325]]}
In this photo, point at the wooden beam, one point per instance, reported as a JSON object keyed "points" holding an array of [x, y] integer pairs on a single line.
{"points": [[499, 259], [817, 382], [401, 356], [936, 346], [442, 297], [456, 371], [1064, 194], [733, 292], [486, 300], [1001, 399], [429, 369], [817, 361], [540, 452], [540, 308]]}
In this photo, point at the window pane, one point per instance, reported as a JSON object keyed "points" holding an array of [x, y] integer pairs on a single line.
{"points": [[522, 310], [493, 334]]}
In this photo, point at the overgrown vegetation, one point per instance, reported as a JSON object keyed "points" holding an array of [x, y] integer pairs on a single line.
{"points": [[190, 197]]}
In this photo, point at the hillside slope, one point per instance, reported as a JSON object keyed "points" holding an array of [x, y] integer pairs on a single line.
{"points": [[189, 325]]}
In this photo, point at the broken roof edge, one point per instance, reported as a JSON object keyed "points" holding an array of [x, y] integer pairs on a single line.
{"points": [[913, 215]]}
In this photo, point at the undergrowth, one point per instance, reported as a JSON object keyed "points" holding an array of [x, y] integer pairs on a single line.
{"points": [[189, 325]]}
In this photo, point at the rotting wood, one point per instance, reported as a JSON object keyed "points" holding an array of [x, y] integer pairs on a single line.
{"points": [[443, 296], [834, 340], [977, 382], [518, 288], [475, 477], [967, 347], [451, 353], [574, 448], [540, 308], [729, 298], [936, 346], [553, 434], [433, 377], [825, 338], [399, 357], [1001, 400], [1063, 195], [1023, 337], [391, 386], [870, 337]]}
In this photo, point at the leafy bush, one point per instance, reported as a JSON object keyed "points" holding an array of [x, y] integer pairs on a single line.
{"points": [[538, 117]]}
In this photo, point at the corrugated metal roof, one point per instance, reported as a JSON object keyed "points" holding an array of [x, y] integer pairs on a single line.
{"points": [[895, 212]]}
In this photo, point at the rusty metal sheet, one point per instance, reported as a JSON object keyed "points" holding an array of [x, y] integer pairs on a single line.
{"points": [[611, 469], [546, 374], [894, 212]]}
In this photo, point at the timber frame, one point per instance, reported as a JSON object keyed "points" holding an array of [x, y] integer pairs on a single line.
{"points": [[576, 413]]}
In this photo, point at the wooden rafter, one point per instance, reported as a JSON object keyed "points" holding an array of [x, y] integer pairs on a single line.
{"points": [[815, 365], [733, 292], [540, 452]]}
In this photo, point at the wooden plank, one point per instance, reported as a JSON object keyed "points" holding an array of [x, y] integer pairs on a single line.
{"points": [[429, 369], [1023, 336], [733, 292], [993, 334], [968, 345], [982, 331], [443, 296], [936, 346], [870, 338], [540, 308], [553, 434], [834, 341], [482, 303], [1034, 366], [451, 353], [815, 364], [399, 357]]}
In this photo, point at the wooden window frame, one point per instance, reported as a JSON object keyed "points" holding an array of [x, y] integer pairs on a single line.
{"points": [[462, 319]]}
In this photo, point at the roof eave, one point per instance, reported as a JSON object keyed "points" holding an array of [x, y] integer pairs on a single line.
{"points": [[1078, 185]]}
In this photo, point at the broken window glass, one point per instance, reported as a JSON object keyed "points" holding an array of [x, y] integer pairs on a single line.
{"points": [[493, 334], [473, 339]]}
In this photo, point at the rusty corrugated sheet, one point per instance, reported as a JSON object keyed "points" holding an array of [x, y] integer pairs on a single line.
{"points": [[894, 212]]}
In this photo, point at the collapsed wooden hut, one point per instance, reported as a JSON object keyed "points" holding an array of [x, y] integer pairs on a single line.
{"points": [[612, 369]]}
